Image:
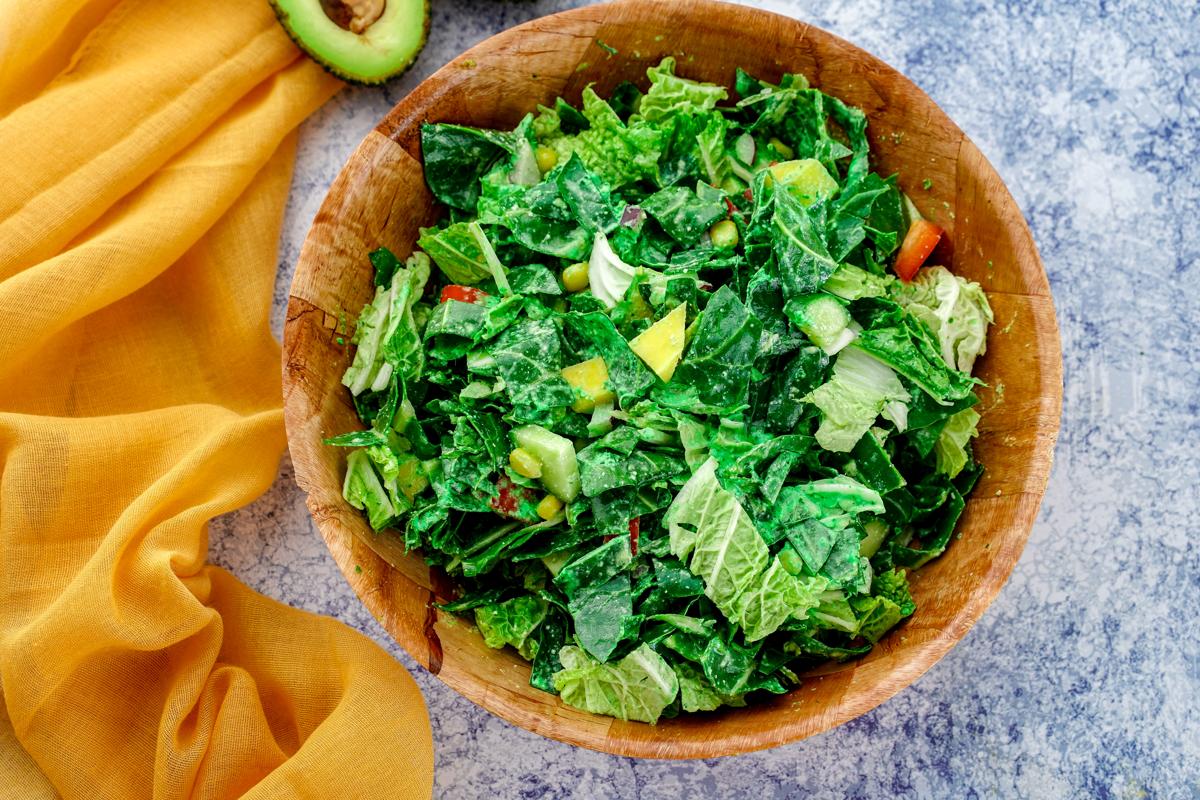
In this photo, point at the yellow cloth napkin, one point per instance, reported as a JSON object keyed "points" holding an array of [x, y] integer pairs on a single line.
{"points": [[145, 155]]}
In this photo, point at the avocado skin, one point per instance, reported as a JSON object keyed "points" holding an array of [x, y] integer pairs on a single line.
{"points": [[334, 69]]}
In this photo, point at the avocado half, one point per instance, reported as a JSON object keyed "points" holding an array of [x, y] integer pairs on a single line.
{"points": [[360, 41]]}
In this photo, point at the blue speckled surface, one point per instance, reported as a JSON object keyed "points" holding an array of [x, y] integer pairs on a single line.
{"points": [[1083, 678]]}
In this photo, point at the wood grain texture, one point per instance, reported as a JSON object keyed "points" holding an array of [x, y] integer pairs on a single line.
{"points": [[380, 199]]}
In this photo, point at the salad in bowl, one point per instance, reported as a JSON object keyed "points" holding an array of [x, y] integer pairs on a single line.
{"points": [[669, 393]]}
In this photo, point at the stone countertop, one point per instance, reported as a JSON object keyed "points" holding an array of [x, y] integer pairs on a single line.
{"points": [[1083, 678]]}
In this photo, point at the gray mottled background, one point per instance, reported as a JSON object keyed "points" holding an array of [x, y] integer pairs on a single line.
{"points": [[1082, 680]]}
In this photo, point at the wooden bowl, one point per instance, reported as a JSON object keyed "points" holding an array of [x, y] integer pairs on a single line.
{"points": [[380, 198]]}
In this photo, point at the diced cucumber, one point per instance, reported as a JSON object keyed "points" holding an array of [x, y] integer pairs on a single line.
{"points": [[481, 363], [560, 469], [876, 531], [556, 561], [790, 560], [823, 319], [744, 149]]}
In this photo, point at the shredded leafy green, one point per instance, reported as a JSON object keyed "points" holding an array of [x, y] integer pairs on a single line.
{"points": [[674, 466]]}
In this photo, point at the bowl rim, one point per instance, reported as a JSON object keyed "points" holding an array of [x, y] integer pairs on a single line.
{"points": [[349, 551]]}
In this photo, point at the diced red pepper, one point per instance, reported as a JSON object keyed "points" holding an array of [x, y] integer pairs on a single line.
{"points": [[508, 497], [635, 527], [749, 195], [504, 502], [729, 205], [463, 294], [919, 242]]}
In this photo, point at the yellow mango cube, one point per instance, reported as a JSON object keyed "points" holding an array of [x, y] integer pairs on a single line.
{"points": [[590, 379], [661, 345]]}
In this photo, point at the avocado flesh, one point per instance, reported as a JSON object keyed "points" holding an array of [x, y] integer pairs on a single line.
{"points": [[386, 48]]}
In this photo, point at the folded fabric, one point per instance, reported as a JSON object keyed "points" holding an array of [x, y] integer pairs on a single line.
{"points": [[147, 149]]}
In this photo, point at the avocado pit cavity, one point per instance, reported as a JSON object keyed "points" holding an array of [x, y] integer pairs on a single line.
{"points": [[354, 16]]}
